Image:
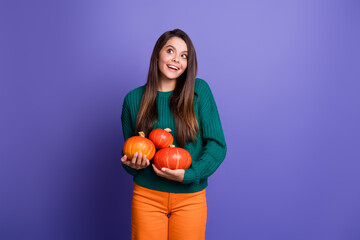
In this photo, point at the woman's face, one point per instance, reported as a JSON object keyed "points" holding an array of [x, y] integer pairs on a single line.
{"points": [[172, 60]]}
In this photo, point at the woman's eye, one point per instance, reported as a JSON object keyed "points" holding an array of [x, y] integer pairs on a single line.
{"points": [[184, 56], [170, 51]]}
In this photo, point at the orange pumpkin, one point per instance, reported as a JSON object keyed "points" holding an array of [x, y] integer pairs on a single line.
{"points": [[162, 138], [172, 158], [139, 144]]}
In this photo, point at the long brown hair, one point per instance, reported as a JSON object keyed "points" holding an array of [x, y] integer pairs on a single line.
{"points": [[181, 100]]}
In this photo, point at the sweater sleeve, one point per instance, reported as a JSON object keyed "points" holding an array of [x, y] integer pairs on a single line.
{"points": [[128, 130], [214, 149]]}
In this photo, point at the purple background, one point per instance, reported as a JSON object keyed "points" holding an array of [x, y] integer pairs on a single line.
{"points": [[285, 76]]}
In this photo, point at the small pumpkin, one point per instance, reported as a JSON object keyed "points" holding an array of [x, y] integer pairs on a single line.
{"points": [[172, 158], [139, 144], [162, 138]]}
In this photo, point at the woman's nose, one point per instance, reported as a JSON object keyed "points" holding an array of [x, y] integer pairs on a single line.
{"points": [[175, 59]]}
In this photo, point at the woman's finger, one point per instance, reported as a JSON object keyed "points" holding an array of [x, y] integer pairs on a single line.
{"points": [[133, 160], [139, 160], [126, 162], [161, 173], [145, 162], [157, 171], [123, 159]]}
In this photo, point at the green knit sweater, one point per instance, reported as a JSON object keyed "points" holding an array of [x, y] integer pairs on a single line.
{"points": [[207, 152]]}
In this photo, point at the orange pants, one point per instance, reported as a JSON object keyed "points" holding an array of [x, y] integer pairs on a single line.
{"points": [[157, 215]]}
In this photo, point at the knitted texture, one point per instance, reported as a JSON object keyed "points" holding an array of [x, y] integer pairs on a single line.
{"points": [[207, 153]]}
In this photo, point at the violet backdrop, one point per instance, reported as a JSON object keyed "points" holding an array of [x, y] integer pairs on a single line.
{"points": [[285, 76]]}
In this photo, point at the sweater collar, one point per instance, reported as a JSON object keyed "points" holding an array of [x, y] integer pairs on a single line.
{"points": [[164, 94]]}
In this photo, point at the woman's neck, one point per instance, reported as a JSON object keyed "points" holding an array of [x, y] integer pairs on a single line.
{"points": [[166, 85]]}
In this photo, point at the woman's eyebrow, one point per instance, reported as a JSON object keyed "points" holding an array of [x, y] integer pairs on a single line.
{"points": [[174, 47]]}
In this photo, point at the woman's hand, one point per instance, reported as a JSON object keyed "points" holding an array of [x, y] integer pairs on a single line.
{"points": [[137, 162], [175, 175]]}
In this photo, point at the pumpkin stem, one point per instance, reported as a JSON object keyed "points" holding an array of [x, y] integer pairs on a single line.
{"points": [[141, 134], [167, 129], [172, 146]]}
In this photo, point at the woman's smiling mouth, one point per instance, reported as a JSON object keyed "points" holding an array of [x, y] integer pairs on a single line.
{"points": [[172, 68]]}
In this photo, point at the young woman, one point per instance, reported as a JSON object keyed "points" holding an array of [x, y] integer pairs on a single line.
{"points": [[171, 204]]}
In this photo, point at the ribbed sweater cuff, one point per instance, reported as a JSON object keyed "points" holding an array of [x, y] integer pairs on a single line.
{"points": [[191, 176]]}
